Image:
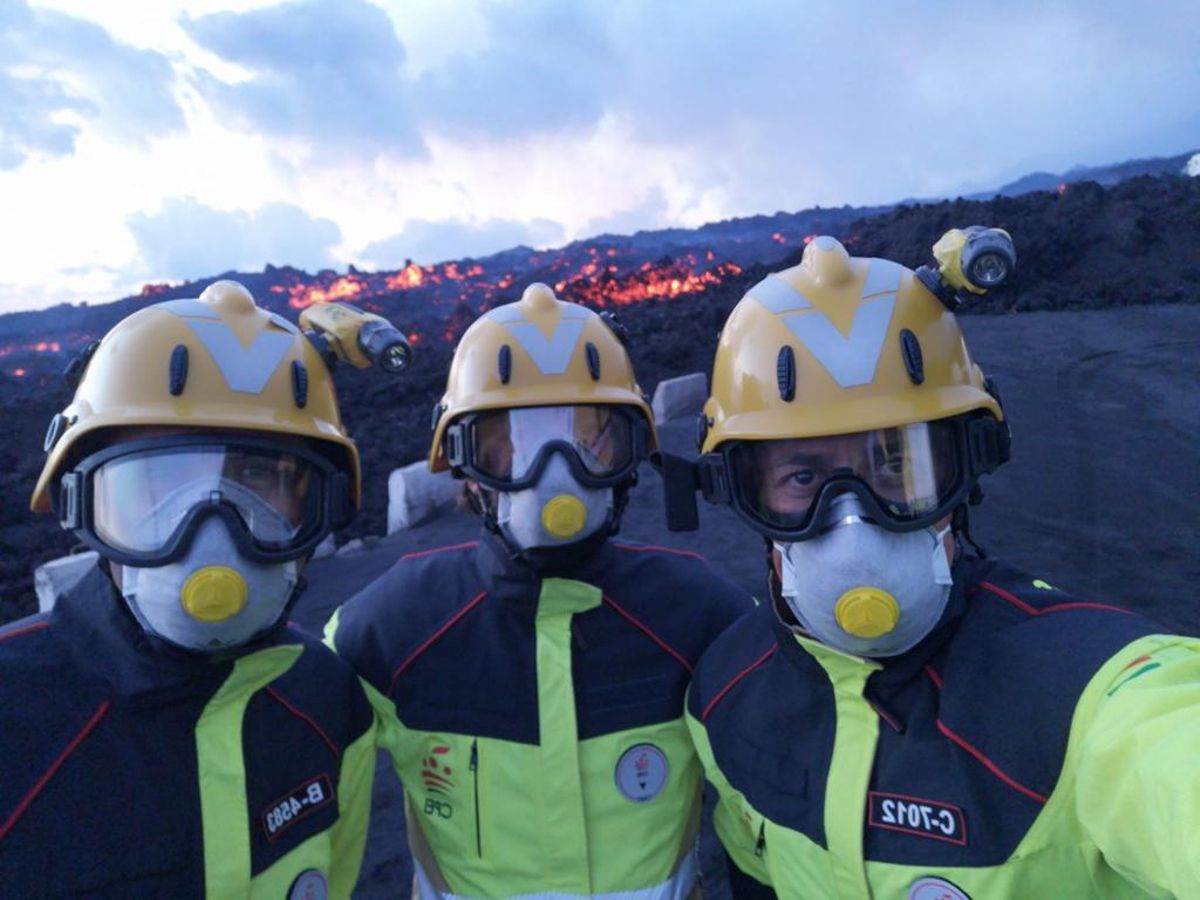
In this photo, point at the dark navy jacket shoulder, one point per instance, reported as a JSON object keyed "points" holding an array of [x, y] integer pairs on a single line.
{"points": [[99, 730], [976, 717], [450, 636]]}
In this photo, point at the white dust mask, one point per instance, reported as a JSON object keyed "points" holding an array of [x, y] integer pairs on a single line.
{"points": [[557, 510], [212, 598], [864, 590]]}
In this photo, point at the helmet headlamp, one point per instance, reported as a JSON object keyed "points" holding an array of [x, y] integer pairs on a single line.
{"points": [[973, 260]]}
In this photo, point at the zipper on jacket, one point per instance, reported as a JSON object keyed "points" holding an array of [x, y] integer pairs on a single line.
{"points": [[761, 844], [474, 767]]}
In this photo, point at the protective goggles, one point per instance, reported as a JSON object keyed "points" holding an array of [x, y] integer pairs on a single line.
{"points": [[507, 449], [906, 478], [140, 503]]}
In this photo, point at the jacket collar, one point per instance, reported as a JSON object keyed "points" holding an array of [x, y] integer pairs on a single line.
{"points": [[105, 641], [518, 578]]}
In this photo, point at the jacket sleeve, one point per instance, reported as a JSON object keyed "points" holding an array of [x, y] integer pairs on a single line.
{"points": [[736, 824], [388, 730], [1138, 764], [349, 837]]}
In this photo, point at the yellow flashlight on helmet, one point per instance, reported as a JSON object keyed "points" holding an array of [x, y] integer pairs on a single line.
{"points": [[363, 339], [974, 260]]}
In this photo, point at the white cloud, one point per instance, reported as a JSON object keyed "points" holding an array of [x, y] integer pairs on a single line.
{"points": [[434, 124], [60, 75], [327, 72], [185, 239]]}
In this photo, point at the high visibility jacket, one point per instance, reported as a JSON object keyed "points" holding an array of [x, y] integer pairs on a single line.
{"points": [[1032, 746], [130, 771], [537, 723]]}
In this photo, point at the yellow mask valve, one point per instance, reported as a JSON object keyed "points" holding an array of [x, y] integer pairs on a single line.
{"points": [[867, 612], [564, 516], [213, 594]]}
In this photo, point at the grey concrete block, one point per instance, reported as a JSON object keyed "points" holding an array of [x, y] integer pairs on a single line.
{"points": [[416, 495], [355, 545], [677, 398], [325, 548], [53, 579]]}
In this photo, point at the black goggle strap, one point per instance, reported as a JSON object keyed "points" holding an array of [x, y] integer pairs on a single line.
{"points": [[457, 441], [989, 445], [713, 477], [341, 509], [70, 501]]}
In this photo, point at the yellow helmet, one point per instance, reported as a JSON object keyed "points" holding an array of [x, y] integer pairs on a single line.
{"points": [[840, 345], [539, 351], [218, 362]]}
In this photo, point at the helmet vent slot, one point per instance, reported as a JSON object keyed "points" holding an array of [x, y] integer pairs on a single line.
{"points": [[178, 372], [299, 383], [504, 362], [593, 361], [616, 327], [914, 362], [58, 425], [785, 373], [74, 370]]}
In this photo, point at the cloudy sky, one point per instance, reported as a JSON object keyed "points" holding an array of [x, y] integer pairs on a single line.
{"points": [[159, 140]]}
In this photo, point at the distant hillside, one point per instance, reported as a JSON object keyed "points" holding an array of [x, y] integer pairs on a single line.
{"points": [[1082, 248], [1104, 175]]}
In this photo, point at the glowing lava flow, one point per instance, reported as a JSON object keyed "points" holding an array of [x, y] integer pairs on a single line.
{"points": [[439, 301], [595, 275], [32, 347], [651, 281]]}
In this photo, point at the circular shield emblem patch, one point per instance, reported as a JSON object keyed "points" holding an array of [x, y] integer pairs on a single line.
{"points": [[935, 889], [309, 885], [641, 772]]}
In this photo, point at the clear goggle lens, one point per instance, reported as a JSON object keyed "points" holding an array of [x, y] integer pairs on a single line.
{"points": [[138, 501], [508, 444], [912, 471]]}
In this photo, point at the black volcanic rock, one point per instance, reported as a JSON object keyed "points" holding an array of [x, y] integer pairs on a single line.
{"points": [[1088, 247]]}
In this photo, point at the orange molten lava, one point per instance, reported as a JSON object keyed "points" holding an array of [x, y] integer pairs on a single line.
{"points": [[344, 288], [410, 276], [662, 280], [35, 347]]}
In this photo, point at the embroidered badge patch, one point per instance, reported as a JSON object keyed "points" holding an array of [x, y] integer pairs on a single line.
{"points": [[912, 815], [641, 773], [935, 889], [309, 885], [437, 776], [298, 803]]}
